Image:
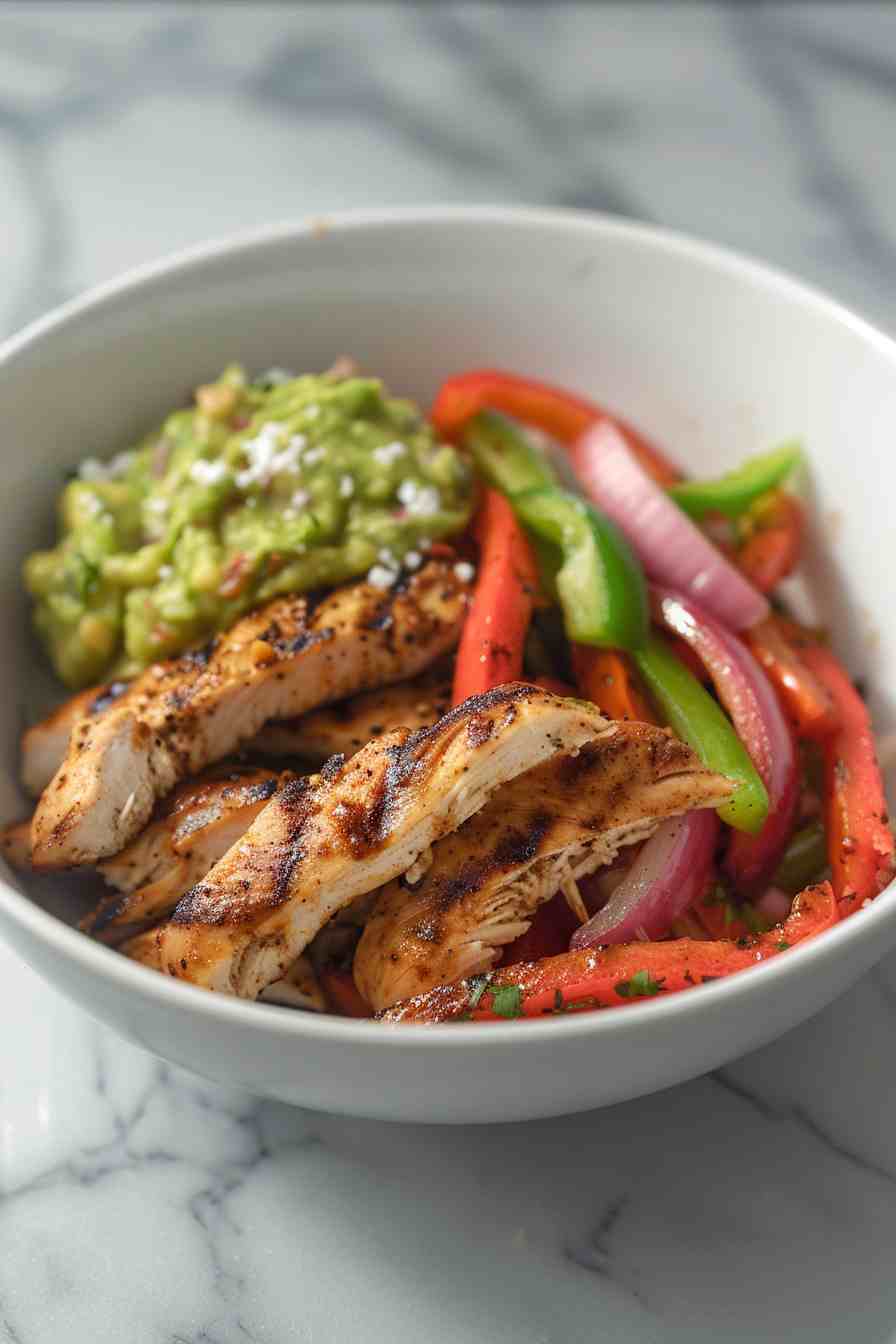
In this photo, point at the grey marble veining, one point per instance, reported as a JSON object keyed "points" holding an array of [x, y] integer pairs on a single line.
{"points": [[140, 1204], [126, 131]]}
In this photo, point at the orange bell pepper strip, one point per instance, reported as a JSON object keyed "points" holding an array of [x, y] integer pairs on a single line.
{"points": [[607, 679], [491, 644], [611, 977], [857, 824], [342, 993], [772, 551], [560, 414], [806, 701]]}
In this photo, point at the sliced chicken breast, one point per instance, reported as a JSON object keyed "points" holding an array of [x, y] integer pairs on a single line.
{"points": [[183, 715], [340, 729], [299, 988], [348, 726], [45, 744], [344, 727], [189, 832], [144, 947], [321, 843], [557, 822]]}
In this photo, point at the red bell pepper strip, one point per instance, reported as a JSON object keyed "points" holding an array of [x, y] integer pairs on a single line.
{"points": [[342, 993], [491, 645], [806, 701], [860, 841], [558, 413], [772, 551], [607, 679], [610, 977]]}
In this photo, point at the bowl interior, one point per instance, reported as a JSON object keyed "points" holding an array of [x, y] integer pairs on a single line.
{"points": [[714, 357]]}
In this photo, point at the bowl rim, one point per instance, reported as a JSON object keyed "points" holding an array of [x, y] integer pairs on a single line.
{"points": [[95, 959]]}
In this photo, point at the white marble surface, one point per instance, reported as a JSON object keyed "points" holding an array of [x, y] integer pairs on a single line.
{"points": [[141, 1205]]}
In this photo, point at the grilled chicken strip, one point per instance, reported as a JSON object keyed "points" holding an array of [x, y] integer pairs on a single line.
{"points": [[298, 987], [45, 744], [320, 844], [345, 728], [563, 819], [190, 831], [182, 715]]}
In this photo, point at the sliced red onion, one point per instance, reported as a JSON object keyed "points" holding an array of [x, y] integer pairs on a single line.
{"points": [[665, 879], [672, 548], [747, 695]]}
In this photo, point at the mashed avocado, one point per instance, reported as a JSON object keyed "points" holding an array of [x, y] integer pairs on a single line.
{"points": [[273, 486]]}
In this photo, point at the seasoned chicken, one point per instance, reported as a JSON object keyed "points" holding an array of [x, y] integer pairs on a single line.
{"points": [[555, 823], [320, 844], [344, 728], [44, 745], [182, 715], [190, 831], [144, 947], [203, 806], [299, 988]]}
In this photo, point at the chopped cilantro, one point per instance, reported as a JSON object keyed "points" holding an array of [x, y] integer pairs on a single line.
{"points": [[478, 986], [507, 1001], [782, 944], [640, 986]]}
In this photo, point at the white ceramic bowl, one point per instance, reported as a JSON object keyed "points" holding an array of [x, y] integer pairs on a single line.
{"points": [[715, 356]]}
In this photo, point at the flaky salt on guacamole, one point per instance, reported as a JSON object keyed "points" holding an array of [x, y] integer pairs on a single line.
{"points": [[278, 485]]}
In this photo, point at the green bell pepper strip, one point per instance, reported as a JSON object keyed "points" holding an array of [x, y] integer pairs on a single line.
{"points": [[510, 462], [599, 582], [584, 560], [735, 492], [805, 858], [505, 457], [696, 718]]}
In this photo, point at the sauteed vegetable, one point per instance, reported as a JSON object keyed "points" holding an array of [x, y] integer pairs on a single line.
{"points": [[486, 715]]}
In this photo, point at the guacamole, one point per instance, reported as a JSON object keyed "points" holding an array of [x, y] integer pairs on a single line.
{"points": [[278, 485]]}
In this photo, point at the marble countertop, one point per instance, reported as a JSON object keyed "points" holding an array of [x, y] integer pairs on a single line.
{"points": [[141, 1205]]}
